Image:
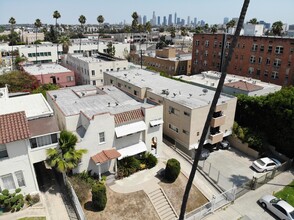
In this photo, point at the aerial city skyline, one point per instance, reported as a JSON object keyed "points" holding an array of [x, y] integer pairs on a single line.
{"points": [[211, 11]]}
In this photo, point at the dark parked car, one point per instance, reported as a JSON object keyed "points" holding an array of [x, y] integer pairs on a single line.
{"points": [[204, 154], [224, 144]]}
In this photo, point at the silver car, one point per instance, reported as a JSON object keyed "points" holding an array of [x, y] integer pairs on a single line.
{"points": [[277, 206]]}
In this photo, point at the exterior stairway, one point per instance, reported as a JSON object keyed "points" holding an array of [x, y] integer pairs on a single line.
{"points": [[162, 205]]}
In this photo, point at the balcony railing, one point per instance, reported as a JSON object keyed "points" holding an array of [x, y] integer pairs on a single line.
{"points": [[215, 138], [218, 121]]}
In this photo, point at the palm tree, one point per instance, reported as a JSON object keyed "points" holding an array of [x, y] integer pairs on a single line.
{"points": [[198, 30], [12, 22], [277, 28], [82, 20], [213, 28], [212, 109], [134, 23], [100, 20], [65, 42], [253, 21], [230, 24], [65, 157], [183, 34], [56, 15], [37, 24], [206, 27]]}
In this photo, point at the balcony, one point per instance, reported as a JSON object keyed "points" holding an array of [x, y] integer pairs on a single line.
{"points": [[221, 107], [218, 121], [215, 138]]}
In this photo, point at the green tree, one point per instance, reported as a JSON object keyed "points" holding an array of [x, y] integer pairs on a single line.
{"points": [[64, 40], [135, 21], [12, 37], [277, 28], [100, 20], [198, 30], [82, 20], [172, 32], [206, 27], [19, 81], [213, 28], [56, 16], [212, 109], [65, 158], [253, 21], [37, 24], [230, 24], [110, 49], [44, 88], [172, 170]]}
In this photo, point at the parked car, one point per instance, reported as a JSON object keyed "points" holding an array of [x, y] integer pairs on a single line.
{"points": [[265, 164], [277, 206], [224, 144], [204, 154]]}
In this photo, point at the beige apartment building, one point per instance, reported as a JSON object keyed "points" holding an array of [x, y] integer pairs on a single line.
{"points": [[167, 60], [185, 106]]}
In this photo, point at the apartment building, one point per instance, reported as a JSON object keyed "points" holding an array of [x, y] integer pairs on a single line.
{"points": [[51, 73], [167, 60], [110, 124], [89, 68], [31, 37], [269, 59], [185, 106], [27, 130], [233, 85]]}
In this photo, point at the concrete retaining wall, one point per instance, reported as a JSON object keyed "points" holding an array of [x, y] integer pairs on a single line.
{"points": [[237, 143]]}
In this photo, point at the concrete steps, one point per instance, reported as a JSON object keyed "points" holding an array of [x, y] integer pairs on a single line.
{"points": [[162, 205]]}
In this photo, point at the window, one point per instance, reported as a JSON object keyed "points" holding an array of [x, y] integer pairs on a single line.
{"points": [[270, 48], [252, 59], [186, 113], [111, 81], [196, 51], [101, 137], [206, 43], [260, 60], [254, 47], [261, 48], [20, 178], [275, 75], [215, 44], [43, 141], [135, 92], [69, 78], [204, 63], [258, 72], [197, 42], [174, 128], [250, 70], [173, 110], [186, 132], [94, 82], [220, 44], [228, 45], [206, 53], [268, 61], [277, 62], [265, 73], [3, 151], [8, 181], [119, 85], [279, 49], [93, 72]]}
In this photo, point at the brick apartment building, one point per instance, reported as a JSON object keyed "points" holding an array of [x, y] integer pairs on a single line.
{"points": [[269, 59]]}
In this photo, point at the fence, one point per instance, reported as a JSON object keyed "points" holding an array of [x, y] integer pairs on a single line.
{"points": [[216, 203]]}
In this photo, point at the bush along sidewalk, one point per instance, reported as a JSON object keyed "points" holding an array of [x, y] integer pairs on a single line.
{"points": [[172, 170]]}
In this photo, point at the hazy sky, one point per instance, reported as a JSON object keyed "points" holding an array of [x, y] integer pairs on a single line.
{"points": [[115, 11]]}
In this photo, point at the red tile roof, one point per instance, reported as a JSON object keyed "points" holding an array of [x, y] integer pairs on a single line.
{"points": [[13, 127], [243, 85], [128, 116], [105, 155]]}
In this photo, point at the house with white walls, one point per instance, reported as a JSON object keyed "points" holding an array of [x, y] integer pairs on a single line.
{"points": [[110, 124], [27, 130]]}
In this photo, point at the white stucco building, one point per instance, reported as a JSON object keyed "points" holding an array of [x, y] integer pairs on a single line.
{"points": [[89, 68], [27, 129], [253, 29], [185, 106], [110, 124]]}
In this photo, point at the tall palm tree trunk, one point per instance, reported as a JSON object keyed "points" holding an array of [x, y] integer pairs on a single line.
{"points": [[36, 45], [212, 109]]}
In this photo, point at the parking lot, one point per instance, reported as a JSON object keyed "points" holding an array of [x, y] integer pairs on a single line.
{"points": [[228, 168]]}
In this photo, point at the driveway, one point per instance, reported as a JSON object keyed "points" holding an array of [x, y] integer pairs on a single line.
{"points": [[229, 167]]}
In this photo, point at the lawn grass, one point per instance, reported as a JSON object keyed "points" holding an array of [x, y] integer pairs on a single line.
{"points": [[33, 218], [287, 193]]}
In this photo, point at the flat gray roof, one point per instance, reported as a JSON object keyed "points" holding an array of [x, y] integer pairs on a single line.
{"points": [[191, 96], [91, 100], [47, 68]]}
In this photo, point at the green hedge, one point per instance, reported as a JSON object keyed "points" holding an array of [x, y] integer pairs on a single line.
{"points": [[99, 198], [172, 170]]}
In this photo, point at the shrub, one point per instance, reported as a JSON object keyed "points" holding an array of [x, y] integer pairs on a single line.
{"points": [[99, 198], [11, 201], [172, 170], [151, 160]]}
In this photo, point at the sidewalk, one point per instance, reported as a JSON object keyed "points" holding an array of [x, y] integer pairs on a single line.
{"points": [[247, 204]]}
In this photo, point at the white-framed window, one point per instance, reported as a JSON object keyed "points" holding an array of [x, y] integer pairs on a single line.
{"points": [[252, 59], [279, 49], [206, 53], [250, 70], [174, 128], [101, 137], [228, 44], [20, 178], [43, 140], [260, 60], [196, 51], [69, 78], [204, 63], [93, 72], [277, 62], [206, 43], [197, 42], [254, 47], [3, 151], [270, 48], [8, 182], [275, 75]]}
